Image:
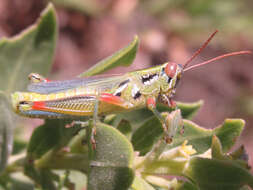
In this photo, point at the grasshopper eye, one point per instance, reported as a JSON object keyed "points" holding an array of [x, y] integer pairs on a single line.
{"points": [[171, 69], [36, 78]]}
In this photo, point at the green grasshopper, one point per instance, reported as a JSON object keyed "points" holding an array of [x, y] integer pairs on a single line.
{"points": [[96, 96]]}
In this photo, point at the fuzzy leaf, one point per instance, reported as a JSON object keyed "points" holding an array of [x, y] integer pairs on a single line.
{"points": [[123, 57], [30, 51], [201, 138], [111, 161], [212, 174]]}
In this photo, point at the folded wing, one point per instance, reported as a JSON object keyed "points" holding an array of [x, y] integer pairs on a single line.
{"points": [[101, 82]]}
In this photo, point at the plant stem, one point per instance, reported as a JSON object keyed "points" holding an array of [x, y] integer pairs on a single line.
{"points": [[58, 160]]}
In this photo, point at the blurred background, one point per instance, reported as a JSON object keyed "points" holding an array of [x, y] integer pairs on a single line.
{"points": [[169, 30]]}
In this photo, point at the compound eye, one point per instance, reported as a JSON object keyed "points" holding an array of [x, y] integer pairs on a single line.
{"points": [[171, 69]]}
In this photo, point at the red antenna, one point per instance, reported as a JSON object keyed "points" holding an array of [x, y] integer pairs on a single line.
{"points": [[201, 48], [218, 58], [213, 59]]}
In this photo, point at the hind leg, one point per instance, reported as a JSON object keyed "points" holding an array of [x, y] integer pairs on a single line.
{"points": [[94, 123]]}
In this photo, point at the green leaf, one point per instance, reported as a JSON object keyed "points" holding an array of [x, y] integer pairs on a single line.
{"points": [[201, 138], [123, 57], [212, 174], [146, 135], [44, 178], [186, 185], [239, 156], [20, 184], [111, 161], [18, 146], [78, 143], [89, 7], [125, 128], [217, 149], [188, 110], [30, 51], [52, 134], [6, 131], [151, 131], [139, 117], [141, 184], [229, 132], [79, 179]]}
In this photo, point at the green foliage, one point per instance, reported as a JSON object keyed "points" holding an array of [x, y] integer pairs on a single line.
{"points": [[112, 160], [31, 50], [130, 151], [42, 141]]}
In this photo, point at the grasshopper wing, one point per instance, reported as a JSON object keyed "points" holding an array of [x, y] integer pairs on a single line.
{"points": [[100, 83]]}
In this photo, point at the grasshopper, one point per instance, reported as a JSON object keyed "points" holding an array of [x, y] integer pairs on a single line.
{"points": [[96, 96]]}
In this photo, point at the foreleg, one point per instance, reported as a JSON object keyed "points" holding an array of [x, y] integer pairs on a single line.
{"points": [[151, 104]]}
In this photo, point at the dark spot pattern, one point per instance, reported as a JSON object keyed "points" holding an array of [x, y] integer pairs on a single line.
{"points": [[117, 94], [148, 78], [137, 95], [124, 82], [169, 79]]}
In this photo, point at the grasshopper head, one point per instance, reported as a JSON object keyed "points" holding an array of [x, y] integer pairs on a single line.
{"points": [[171, 73]]}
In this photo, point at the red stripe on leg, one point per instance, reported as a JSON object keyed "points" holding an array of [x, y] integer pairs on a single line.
{"points": [[38, 105], [111, 99]]}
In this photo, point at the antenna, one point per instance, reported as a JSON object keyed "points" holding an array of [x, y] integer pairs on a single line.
{"points": [[201, 48], [218, 58]]}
